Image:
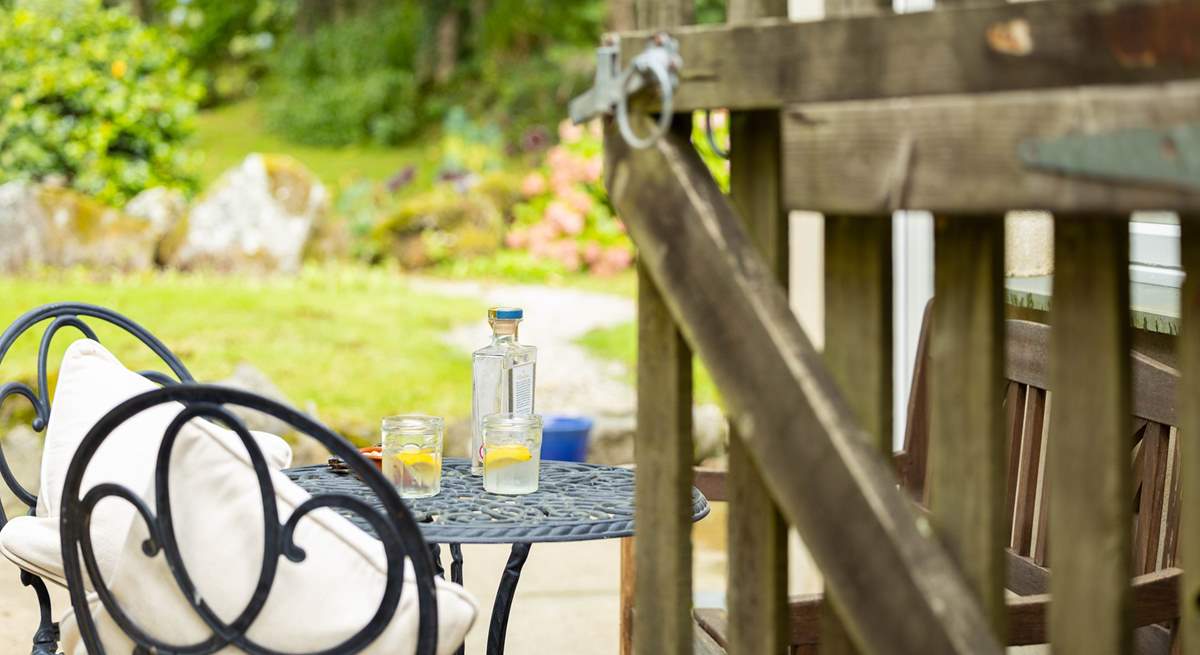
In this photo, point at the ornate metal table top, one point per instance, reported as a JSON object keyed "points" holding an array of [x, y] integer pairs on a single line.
{"points": [[574, 502]]}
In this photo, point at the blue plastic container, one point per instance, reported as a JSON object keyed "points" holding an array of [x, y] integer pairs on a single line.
{"points": [[565, 438]]}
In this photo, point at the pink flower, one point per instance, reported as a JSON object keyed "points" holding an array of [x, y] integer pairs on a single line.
{"points": [[620, 225], [618, 257], [558, 157], [592, 253], [533, 184], [593, 168], [578, 199], [718, 117], [567, 254], [596, 128], [566, 219], [516, 238], [569, 132]]}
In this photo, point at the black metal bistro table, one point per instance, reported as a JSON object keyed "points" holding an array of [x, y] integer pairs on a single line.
{"points": [[574, 502]]}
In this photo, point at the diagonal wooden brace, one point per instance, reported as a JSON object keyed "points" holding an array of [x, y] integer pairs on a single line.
{"points": [[900, 591]]}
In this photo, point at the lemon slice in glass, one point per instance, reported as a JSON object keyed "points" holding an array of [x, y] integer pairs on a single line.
{"points": [[421, 464], [506, 455]]}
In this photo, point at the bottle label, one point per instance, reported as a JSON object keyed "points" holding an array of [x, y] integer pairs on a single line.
{"points": [[522, 389]]}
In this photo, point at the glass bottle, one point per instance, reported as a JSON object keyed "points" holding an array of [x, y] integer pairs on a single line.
{"points": [[503, 376]]}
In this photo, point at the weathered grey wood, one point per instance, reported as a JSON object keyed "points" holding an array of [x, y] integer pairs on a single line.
{"points": [[758, 549], [900, 589], [980, 49], [1089, 444], [663, 582], [967, 445], [663, 14], [958, 154], [703, 643], [663, 447], [858, 348], [1189, 427]]}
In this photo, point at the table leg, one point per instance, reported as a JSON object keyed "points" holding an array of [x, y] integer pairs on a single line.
{"points": [[504, 598], [435, 553], [456, 576]]}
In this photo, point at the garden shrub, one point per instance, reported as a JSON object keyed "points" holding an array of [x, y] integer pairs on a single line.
{"points": [[91, 95], [349, 81]]}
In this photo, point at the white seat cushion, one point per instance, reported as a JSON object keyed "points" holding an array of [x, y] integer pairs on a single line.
{"points": [[315, 604], [91, 381]]}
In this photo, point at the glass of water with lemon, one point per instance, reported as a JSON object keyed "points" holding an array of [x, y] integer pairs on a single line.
{"points": [[512, 450], [412, 454]]}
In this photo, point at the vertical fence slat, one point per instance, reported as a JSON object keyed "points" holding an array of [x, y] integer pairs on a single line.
{"points": [[758, 558], [1089, 444], [858, 345], [858, 330], [1189, 429], [966, 348], [663, 448]]}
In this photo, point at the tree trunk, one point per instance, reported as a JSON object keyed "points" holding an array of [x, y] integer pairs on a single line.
{"points": [[448, 28]]}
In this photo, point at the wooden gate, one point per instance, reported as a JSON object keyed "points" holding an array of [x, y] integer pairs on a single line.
{"points": [[1090, 110]]}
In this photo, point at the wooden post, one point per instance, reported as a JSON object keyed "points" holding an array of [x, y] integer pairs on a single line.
{"points": [[858, 347], [663, 448], [1189, 448], [758, 558], [966, 349], [1089, 438], [858, 332]]}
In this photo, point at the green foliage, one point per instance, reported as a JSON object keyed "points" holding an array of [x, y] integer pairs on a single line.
{"points": [[91, 95], [228, 42], [349, 81]]}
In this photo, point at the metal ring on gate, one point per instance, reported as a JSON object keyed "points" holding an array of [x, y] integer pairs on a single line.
{"points": [[664, 117]]}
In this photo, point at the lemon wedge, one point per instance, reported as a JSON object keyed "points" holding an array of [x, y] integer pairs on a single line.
{"points": [[501, 456], [415, 458]]}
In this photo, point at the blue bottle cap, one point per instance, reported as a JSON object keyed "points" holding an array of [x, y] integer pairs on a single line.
{"points": [[506, 313]]}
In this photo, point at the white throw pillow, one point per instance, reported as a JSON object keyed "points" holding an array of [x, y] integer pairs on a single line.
{"points": [[91, 381], [216, 508]]}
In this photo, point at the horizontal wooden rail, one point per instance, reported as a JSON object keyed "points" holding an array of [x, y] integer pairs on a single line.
{"points": [[1155, 598], [899, 589], [773, 63], [961, 154]]}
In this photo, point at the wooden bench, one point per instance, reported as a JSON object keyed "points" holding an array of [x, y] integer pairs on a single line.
{"points": [[1028, 403]]}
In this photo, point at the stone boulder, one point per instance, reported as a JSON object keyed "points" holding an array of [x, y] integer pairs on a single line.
{"points": [[163, 209], [257, 217], [248, 378], [613, 436], [22, 228], [43, 225], [23, 451]]}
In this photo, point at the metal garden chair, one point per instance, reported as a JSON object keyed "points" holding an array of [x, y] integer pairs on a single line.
{"points": [[395, 527], [62, 315]]}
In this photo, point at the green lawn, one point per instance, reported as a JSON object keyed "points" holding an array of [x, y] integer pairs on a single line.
{"points": [[354, 344], [619, 343], [225, 135]]}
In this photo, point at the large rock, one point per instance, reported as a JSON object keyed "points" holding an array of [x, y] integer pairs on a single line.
{"points": [[22, 228], [54, 226], [248, 378], [258, 216], [162, 208]]}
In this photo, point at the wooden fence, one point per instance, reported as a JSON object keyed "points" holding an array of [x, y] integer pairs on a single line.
{"points": [[855, 116]]}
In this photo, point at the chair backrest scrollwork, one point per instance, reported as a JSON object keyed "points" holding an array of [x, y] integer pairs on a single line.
{"points": [[395, 526], [62, 315]]}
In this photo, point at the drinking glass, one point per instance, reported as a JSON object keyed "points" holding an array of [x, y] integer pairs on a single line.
{"points": [[412, 454], [512, 450]]}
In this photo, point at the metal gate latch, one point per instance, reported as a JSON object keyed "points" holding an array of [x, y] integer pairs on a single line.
{"points": [[658, 64], [1157, 156]]}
